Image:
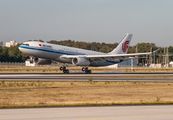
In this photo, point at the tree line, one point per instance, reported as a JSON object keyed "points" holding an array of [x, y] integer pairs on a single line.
{"points": [[13, 54]]}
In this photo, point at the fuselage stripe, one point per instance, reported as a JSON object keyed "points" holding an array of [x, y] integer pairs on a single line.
{"points": [[50, 50]]}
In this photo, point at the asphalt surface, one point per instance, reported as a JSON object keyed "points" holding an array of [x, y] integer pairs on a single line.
{"points": [[86, 77], [154, 112]]}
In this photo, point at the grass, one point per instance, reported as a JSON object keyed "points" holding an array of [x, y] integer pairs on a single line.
{"points": [[143, 70], [41, 94], [49, 69], [44, 69]]}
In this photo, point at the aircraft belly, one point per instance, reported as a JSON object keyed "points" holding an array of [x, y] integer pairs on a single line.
{"points": [[47, 55], [63, 60]]}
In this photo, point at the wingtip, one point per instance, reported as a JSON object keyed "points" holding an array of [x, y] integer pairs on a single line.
{"points": [[129, 34], [156, 51]]}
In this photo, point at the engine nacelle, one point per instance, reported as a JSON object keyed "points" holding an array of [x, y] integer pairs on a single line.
{"points": [[42, 61], [79, 61]]}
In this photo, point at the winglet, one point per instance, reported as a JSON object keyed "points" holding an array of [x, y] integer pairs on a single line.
{"points": [[156, 51]]}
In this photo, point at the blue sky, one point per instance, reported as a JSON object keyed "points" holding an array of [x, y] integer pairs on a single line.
{"points": [[87, 20]]}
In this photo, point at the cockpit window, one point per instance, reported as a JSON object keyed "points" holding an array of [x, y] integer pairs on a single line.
{"points": [[26, 44]]}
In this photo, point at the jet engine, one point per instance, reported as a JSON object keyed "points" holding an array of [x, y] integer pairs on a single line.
{"points": [[79, 61], [42, 61]]}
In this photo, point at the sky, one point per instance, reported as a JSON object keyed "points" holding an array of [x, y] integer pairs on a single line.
{"points": [[150, 21]]}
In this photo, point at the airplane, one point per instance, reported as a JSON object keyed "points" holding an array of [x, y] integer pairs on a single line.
{"points": [[43, 53]]}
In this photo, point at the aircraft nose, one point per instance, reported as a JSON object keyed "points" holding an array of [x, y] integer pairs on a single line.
{"points": [[20, 48]]}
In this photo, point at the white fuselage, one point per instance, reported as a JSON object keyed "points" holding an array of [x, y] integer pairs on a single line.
{"points": [[55, 52]]}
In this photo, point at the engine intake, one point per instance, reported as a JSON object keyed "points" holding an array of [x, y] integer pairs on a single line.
{"points": [[79, 61], [42, 61]]}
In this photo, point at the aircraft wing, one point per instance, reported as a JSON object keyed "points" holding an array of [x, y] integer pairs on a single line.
{"points": [[105, 57]]}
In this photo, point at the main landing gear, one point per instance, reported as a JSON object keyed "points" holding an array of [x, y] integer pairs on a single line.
{"points": [[86, 70], [66, 71]]}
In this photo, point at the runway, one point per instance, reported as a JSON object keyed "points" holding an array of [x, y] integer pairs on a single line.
{"points": [[153, 112], [131, 112], [86, 77]]}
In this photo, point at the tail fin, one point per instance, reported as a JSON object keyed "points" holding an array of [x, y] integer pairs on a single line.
{"points": [[123, 46]]}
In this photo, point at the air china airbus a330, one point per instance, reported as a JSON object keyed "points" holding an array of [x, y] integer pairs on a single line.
{"points": [[43, 53]]}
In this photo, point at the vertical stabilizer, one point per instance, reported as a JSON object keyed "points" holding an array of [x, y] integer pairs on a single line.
{"points": [[123, 46]]}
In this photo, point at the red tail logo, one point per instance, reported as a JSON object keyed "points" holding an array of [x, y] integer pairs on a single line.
{"points": [[125, 46]]}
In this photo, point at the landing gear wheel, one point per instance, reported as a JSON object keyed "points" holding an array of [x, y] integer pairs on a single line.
{"points": [[61, 68], [83, 69], [86, 70], [66, 71]]}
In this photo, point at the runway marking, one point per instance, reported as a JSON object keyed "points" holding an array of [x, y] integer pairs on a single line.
{"points": [[147, 115]]}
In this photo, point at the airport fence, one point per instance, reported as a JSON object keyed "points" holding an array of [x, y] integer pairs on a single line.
{"points": [[12, 63], [23, 64]]}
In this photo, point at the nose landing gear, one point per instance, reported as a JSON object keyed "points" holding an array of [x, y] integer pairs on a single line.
{"points": [[86, 70]]}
